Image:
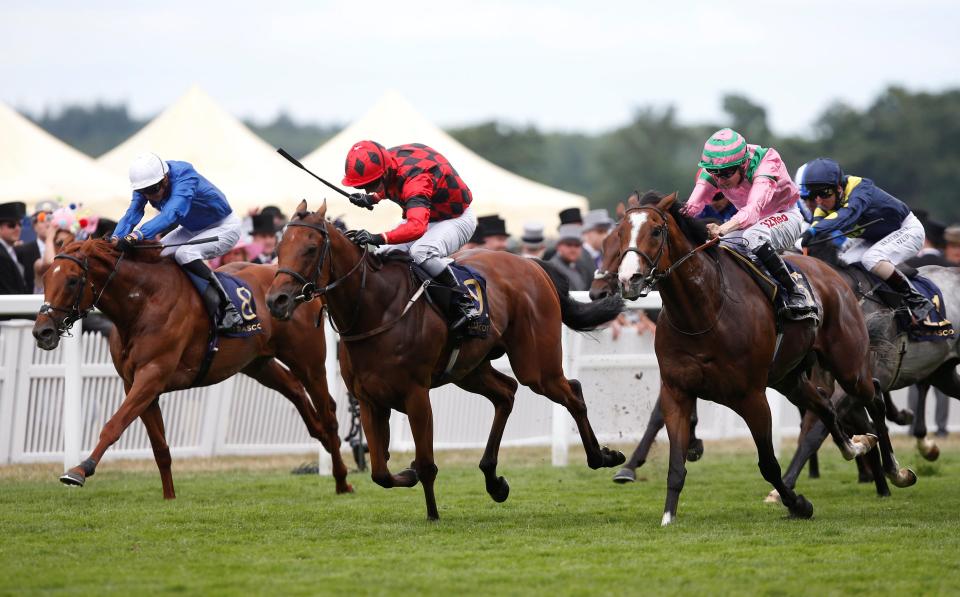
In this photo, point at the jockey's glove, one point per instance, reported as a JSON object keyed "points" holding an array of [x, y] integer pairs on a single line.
{"points": [[362, 200], [127, 242], [362, 237], [807, 237]]}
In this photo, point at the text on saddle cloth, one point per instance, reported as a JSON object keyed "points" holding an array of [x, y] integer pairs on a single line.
{"points": [[241, 295], [476, 287]]}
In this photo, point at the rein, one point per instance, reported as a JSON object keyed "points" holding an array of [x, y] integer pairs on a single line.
{"points": [[309, 290], [655, 276], [75, 313]]}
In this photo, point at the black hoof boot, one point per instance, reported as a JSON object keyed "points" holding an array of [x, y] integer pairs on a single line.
{"points": [[695, 450], [499, 491]]}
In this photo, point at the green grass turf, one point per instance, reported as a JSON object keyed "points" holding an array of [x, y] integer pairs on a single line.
{"points": [[563, 531]]}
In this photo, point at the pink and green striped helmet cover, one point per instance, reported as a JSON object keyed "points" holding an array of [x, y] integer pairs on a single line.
{"points": [[723, 149]]}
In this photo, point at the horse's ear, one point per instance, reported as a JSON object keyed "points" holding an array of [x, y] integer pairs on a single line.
{"points": [[621, 210], [323, 208], [667, 201], [633, 201], [302, 208]]}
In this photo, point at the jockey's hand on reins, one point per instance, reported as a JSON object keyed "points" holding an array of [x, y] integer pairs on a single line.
{"points": [[126, 243], [362, 237]]}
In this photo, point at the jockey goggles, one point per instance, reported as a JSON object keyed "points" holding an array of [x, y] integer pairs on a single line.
{"points": [[816, 192], [723, 173]]}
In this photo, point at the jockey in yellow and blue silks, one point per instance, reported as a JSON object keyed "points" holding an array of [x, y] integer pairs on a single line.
{"points": [[198, 209], [891, 234]]}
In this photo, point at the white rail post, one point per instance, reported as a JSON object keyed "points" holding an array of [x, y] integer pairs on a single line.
{"points": [[332, 368], [776, 412], [560, 448], [72, 384]]}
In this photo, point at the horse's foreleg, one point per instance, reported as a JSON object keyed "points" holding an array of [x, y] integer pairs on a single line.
{"points": [[420, 415], [376, 426], [756, 413], [639, 456], [153, 420], [147, 385], [812, 434], [875, 407], [676, 409], [569, 393], [803, 394], [500, 390]]}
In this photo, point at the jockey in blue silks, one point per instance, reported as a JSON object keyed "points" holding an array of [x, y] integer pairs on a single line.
{"points": [[195, 206]]}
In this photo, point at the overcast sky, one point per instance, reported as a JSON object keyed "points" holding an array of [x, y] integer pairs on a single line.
{"points": [[560, 65]]}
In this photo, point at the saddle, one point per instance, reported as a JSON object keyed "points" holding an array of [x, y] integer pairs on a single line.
{"points": [[241, 295], [445, 299], [936, 327], [771, 289]]}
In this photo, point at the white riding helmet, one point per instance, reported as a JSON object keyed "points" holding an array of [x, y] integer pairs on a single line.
{"points": [[146, 169]]}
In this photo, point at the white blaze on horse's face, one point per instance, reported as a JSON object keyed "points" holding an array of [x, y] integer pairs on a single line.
{"points": [[630, 265]]}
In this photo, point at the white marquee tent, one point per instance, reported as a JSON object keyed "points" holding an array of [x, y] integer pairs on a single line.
{"points": [[196, 129], [393, 121], [35, 166]]}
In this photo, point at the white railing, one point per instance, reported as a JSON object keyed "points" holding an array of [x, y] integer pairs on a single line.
{"points": [[53, 404]]}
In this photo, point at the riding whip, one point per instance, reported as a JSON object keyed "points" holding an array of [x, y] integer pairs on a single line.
{"points": [[845, 232], [297, 163], [196, 241]]}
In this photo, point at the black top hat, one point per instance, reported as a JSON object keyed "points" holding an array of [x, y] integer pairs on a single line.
{"points": [[263, 224], [274, 211], [492, 225], [571, 215], [13, 211], [105, 226]]}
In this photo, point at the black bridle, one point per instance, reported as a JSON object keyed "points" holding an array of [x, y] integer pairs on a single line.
{"points": [[309, 289], [75, 313]]}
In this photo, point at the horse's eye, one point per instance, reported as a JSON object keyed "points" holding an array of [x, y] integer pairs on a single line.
{"points": [[656, 232], [310, 252], [72, 282]]}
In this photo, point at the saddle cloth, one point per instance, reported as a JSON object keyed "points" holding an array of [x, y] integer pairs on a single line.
{"points": [[241, 295], [936, 327], [472, 284], [770, 288]]}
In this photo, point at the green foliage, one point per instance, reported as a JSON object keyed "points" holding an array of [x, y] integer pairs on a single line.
{"points": [[94, 130], [567, 531]]}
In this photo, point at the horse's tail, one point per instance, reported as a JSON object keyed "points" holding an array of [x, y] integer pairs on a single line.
{"points": [[579, 316]]}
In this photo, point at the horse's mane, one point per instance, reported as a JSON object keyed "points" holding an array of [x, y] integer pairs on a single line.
{"points": [[373, 260], [103, 248], [695, 230]]}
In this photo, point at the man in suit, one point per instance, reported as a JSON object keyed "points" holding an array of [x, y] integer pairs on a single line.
{"points": [[264, 233], [12, 266]]}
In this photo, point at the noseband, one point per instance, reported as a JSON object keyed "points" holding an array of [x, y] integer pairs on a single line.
{"points": [[309, 289], [74, 313]]}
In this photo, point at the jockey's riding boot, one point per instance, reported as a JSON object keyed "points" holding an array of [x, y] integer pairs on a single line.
{"points": [[797, 305], [231, 317], [467, 310], [918, 304]]}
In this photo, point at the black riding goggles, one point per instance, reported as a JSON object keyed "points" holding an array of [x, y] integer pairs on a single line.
{"points": [[723, 172], [824, 192], [152, 189]]}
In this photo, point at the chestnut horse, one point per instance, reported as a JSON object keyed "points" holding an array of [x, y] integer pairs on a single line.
{"points": [[160, 340], [395, 346], [717, 337]]}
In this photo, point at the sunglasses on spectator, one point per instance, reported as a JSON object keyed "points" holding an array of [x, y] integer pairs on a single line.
{"points": [[723, 172], [11, 223], [824, 192], [152, 188]]}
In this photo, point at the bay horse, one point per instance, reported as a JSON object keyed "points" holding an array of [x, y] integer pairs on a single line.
{"points": [[160, 338], [395, 346], [717, 336], [899, 361]]}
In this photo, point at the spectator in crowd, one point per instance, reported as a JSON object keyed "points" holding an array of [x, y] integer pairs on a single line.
{"points": [[571, 215], [532, 243], [279, 218], [56, 239], [33, 250], [596, 226], [720, 209], [242, 251], [495, 235], [103, 228], [12, 263], [951, 244], [264, 233], [568, 252]]}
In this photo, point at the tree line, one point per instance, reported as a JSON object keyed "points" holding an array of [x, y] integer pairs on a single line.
{"points": [[906, 141]]}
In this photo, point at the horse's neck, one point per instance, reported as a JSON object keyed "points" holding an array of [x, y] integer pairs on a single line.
{"points": [[355, 300], [125, 296], [692, 292]]}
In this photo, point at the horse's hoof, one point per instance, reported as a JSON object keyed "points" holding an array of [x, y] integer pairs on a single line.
{"points": [[802, 509], [772, 498], [625, 475], [864, 443], [695, 450], [347, 489], [612, 458], [501, 491], [906, 416], [667, 519], [928, 449], [408, 477], [72, 479], [904, 478]]}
